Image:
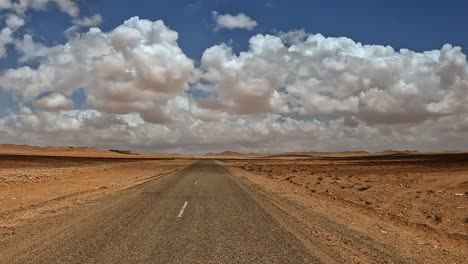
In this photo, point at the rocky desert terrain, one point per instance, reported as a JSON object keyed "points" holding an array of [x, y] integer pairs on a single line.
{"points": [[410, 205]]}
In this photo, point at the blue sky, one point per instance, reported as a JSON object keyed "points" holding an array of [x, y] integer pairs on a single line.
{"points": [[131, 86]]}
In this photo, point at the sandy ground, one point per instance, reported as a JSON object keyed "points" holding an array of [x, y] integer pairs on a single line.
{"points": [[36, 186], [354, 208], [414, 206]]}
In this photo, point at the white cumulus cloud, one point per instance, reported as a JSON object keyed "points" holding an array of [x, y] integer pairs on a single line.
{"points": [[5, 4], [332, 77], [5, 38], [229, 21], [14, 22], [54, 102], [137, 67], [292, 91], [15, 13], [90, 21], [69, 7]]}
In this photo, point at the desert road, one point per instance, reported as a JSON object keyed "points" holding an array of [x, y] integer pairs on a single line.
{"points": [[199, 214]]}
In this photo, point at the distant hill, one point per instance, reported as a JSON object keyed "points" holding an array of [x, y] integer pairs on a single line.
{"points": [[322, 154], [224, 154]]}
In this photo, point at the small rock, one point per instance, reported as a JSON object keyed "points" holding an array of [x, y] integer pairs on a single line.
{"points": [[363, 188]]}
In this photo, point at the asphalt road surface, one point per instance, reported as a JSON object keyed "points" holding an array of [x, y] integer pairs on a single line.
{"points": [[197, 215]]}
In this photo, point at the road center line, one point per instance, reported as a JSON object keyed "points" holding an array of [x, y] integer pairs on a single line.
{"points": [[183, 209]]}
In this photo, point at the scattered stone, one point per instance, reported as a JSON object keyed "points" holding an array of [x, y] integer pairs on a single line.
{"points": [[6, 231], [363, 188]]}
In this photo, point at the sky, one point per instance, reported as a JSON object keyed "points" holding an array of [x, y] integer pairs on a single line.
{"points": [[195, 76]]}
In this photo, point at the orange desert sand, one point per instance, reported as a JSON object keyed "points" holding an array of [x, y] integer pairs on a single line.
{"points": [[37, 181], [410, 204]]}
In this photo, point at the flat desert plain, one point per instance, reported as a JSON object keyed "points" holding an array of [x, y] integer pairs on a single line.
{"points": [[355, 205], [37, 182]]}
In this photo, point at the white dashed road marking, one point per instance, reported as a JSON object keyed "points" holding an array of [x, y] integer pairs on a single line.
{"points": [[183, 209]]}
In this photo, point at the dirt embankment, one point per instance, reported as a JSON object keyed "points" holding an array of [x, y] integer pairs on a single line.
{"points": [[34, 186], [415, 206]]}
